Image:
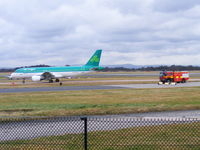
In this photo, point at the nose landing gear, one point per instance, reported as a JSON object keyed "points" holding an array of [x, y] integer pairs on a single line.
{"points": [[23, 81]]}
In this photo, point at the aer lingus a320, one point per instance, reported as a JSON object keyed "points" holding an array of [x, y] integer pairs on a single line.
{"points": [[51, 73]]}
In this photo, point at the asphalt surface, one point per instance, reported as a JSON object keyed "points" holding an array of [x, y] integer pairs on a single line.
{"points": [[141, 86], [86, 81], [131, 75], [104, 87], [61, 88], [70, 125]]}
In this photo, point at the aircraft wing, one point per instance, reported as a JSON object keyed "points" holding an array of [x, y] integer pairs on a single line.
{"points": [[50, 75]]}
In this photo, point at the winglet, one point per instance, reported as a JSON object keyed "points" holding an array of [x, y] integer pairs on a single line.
{"points": [[95, 59]]}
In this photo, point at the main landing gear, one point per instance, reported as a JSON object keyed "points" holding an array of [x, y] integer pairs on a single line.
{"points": [[51, 81], [57, 80]]}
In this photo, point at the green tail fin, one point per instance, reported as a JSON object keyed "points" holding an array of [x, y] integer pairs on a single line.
{"points": [[95, 59]]}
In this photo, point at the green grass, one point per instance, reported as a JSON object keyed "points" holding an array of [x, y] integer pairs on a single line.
{"points": [[90, 102], [174, 136]]}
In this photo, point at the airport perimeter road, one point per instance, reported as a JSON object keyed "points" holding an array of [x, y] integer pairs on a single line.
{"points": [[141, 86], [131, 75], [105, 87], [69, 125]]}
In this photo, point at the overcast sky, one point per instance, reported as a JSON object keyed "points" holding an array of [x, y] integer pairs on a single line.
{"points": [[138, 32]]}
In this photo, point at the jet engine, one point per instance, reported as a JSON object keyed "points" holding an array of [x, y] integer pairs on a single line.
{"points": [[36, 78]]}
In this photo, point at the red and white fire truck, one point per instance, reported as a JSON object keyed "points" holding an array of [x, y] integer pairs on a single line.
{"points": [[173, 77]]}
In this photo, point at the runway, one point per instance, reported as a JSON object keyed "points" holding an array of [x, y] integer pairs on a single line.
{"points": [[141, 86], [74, 125], [98, 87], [131, 74], [90, 81], [61, 88]]}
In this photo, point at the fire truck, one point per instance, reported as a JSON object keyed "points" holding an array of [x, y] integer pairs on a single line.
{"points": [[173, 77]]}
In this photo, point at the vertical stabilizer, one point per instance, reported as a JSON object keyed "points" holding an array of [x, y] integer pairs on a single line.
{"points": [[95, 59]]}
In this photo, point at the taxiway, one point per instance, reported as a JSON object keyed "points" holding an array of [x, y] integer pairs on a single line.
{"points": [[98, 87]]}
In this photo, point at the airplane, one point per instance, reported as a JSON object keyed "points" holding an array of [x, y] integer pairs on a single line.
{"points": [[50, 73]]}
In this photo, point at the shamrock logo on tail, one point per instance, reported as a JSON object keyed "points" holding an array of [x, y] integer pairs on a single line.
{"points": [[94, 59]]}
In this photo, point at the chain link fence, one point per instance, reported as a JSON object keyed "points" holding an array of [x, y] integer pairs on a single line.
{"points": [[99, 133]]}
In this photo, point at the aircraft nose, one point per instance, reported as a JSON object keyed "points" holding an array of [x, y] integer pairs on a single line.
{"points": [[11, 76]]}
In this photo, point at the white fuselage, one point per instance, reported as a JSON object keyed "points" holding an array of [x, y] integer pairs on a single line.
{"points": [[55, 74]]}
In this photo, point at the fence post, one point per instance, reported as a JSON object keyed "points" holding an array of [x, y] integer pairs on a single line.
{"points": [[85, 133]]}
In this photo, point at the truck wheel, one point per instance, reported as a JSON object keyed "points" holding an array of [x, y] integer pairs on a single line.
{"points": [[169, 81], [183, 81]]}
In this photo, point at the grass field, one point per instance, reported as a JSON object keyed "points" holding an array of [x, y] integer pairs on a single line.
{"points": [[90, 102], [174, 136]]}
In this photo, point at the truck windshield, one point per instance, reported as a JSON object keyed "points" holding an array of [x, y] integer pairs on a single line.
{"points": [[163, 74]]}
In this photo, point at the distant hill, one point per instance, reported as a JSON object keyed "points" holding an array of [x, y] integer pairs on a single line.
{"points": [[130, 66]]}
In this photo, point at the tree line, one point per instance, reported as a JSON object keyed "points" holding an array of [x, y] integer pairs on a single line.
{"points": [[13, 69], [157, 68]]}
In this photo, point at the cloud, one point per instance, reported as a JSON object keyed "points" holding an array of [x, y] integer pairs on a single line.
{"points": [[170, 6], [129, 31]]}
